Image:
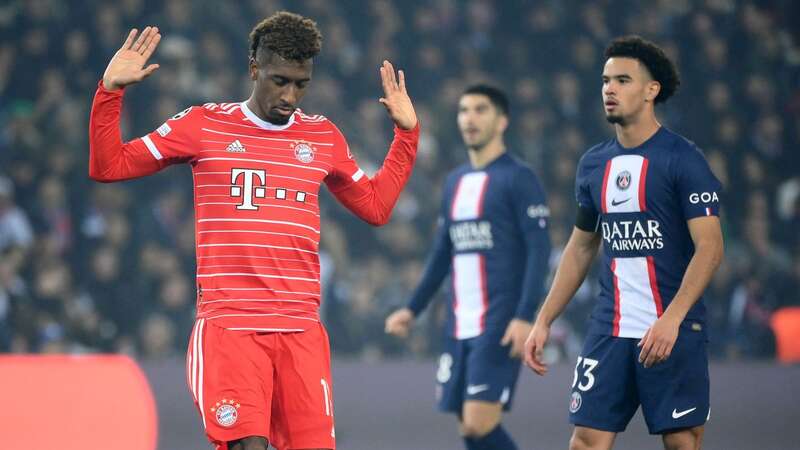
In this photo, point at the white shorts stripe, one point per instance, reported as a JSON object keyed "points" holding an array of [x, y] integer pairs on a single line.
{"points": [[152, 147], [357, 176], [268, 330], [469, 291], [200, 386], [637, 306]]}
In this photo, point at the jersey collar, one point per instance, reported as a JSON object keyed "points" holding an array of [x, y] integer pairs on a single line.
{"points": [[263, 123]]}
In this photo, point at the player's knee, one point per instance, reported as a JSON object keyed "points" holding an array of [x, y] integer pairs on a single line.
{"points": [[584, 441], [249, 443], [477, 427]]}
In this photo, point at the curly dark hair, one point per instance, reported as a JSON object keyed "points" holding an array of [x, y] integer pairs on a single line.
{"points": [[661, 68], [290, 35]]}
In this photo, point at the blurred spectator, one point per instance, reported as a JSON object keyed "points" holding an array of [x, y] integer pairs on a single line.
{"points": [[88, 267]]}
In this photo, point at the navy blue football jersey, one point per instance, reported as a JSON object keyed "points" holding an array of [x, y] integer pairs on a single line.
{"points": [[492, 239], [643, 197]]}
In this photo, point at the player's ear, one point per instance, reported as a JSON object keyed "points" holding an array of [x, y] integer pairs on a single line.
{"points": [[253, 68], [653, 88], [503, 123]]}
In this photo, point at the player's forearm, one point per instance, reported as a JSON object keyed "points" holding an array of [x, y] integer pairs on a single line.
{"points": [[375, 201], [436, 269], [707, 258], [536, 269], [109, 158], [571, 272]]}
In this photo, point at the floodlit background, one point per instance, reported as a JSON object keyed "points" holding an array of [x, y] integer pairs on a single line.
{"points": [[86, 267]]}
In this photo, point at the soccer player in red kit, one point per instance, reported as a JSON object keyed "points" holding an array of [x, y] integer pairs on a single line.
{"points": [[258, 363]]}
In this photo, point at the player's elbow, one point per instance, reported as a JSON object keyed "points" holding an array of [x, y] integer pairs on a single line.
{"points": [[378, 220]]}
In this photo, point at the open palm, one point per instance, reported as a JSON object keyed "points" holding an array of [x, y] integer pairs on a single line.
{"points": [[128, 64], [395, 97]]}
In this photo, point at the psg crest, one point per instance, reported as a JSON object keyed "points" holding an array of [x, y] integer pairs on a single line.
{"points": [[575, 402], [303, 152], [624, 180]]}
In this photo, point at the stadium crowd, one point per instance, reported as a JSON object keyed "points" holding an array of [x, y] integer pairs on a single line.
{"points": [[92, 267]]}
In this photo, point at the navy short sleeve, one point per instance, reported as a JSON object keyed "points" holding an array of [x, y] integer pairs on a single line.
{"points": [[698, 188], [529, 201], [583, 194]]}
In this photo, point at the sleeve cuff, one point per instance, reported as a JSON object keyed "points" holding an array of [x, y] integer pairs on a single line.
{"points": [[119, 91], [399, 131]]}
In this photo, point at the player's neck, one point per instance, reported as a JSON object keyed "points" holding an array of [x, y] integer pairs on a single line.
{"points": [[480, 158], [638, 131]]}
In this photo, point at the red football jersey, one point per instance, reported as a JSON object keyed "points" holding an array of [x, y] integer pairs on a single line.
{"points": [[256, 195]]}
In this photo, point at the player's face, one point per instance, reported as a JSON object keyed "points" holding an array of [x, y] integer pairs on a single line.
{"points": [[627, 89], [478, 120], [279, 85]]}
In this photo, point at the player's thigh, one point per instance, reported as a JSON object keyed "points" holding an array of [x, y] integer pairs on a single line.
{"points": [[302, 407], [585, 438], [603, 391], [229, 376], [675, 393], [450, 376], [688, 439], [478, 417], [491, 374]]}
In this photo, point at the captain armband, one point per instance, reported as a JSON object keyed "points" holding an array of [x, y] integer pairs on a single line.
{"points": [[587, 219]]}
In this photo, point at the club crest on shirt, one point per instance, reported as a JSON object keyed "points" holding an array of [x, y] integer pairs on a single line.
{"points": [[303, 152], [226, 412], [624, 180]]}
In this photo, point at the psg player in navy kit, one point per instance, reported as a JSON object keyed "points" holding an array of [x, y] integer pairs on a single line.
{"points": [[650, 198], [492, 240]]}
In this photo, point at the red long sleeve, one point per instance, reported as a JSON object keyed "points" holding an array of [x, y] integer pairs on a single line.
{"points": [[109, 158], [372, 200]]}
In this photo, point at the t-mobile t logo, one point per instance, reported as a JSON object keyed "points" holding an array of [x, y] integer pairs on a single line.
{"points": [[246, 191]]}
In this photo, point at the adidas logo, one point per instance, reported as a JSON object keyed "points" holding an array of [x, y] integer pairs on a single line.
{"points": [[235, 147]]}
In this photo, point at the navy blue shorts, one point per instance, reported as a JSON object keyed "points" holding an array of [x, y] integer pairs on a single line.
{"points": [[475, 369], [609, 384]]}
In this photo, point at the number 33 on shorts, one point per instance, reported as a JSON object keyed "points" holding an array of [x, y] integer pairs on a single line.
{"points": [[586, 366]]}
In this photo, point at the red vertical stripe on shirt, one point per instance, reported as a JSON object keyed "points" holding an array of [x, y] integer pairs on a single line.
{"points": [[482, 196], [603, 207], [616, 293], [642, 186], [651, 271], [455, 299], [484, 291]]}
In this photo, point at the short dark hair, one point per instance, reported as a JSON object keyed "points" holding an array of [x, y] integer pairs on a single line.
{"points": [[661, 68], [292, 36], [496, 96]]}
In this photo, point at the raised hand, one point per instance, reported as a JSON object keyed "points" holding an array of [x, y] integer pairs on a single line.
{"points": [[395, 98], [127, 65]]}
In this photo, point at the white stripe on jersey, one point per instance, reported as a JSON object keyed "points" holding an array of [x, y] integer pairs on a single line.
{"points": [[469, 291], [469, 196], [357, 176], [314, 182], [278, 330], [278, 247], [261, 161], [262, 289], [260, 275], [259, 300], [262, 315], [261, 205], [626, 198], [277, 222], [637, 307], [327, 144], [258, 232], [152, 147], [259, 267], [259, 257]]}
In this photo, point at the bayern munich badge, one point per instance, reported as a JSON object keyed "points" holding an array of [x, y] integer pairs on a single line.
{"points": [[226, 412], [575, 402], [303, 152]]}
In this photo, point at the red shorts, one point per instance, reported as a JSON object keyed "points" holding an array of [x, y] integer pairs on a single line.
{"points": [[275, 385]]}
